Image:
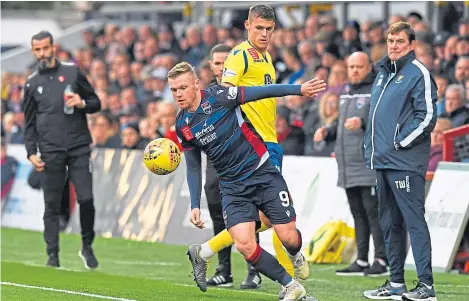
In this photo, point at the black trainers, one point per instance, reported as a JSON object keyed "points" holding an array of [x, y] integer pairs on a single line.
{"points": [[253, 280], [89, 260], [53, 261], [353, 270], [377, 270], [220, 280]]}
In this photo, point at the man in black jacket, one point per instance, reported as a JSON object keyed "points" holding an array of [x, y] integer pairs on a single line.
{"points": [[223, 276], [358, 181], [56, 122]]}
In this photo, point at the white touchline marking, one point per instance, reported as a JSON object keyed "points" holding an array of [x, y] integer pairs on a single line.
{"points": [[224, 289], [66, 291], [158, 263]]}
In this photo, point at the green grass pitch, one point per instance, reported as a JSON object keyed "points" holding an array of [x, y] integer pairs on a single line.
{"points": [[140, 271]]}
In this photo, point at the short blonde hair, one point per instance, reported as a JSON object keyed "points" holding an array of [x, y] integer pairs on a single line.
{"points": [[181, 69]]}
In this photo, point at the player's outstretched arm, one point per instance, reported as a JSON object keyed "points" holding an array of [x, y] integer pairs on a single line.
{"points": [[310, 88]]}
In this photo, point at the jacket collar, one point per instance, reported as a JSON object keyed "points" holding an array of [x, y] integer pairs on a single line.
{"points": [[213, 82], [395, 66], [368, 80]]}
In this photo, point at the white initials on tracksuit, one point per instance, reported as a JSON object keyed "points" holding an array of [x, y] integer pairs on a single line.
{"points": [[403, 184]]}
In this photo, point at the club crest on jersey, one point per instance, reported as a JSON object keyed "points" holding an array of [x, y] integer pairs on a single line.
{"points": [[206, 107], [253, 53], [360, 103]]}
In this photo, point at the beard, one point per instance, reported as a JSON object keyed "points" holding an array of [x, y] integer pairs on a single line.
{"points": [[44, 63]]}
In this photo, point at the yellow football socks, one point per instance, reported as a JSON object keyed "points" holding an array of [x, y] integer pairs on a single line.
{"points": [[220, 241], [223, 240], [282, 256]]}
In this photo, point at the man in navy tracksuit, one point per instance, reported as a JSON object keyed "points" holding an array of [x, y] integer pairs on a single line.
{"points": [[397, 145]]}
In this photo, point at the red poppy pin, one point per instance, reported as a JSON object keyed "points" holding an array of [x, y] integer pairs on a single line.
{"points": [[61, 79]]}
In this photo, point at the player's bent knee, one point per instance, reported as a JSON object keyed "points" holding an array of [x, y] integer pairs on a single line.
{"points": [[287, 233], [247, 249], [244, 238]]}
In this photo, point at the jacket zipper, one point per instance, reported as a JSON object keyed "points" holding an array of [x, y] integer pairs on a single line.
{"points": [[396, 132], [374, 113], [342, 145]]}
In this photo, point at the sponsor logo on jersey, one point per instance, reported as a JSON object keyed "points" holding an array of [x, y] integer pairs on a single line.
{"points": [[253, 52], [205, 130], [187, 133], [229, 73]]}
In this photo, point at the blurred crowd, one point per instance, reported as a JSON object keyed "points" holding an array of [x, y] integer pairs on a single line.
{"points": [[128, 68]]}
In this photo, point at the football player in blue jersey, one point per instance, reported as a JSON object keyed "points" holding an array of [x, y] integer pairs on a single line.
{"points": [[211, 121]]}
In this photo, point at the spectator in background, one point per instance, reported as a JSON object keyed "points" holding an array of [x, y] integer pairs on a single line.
{"points": [[461, 70], [294, 66], [351, 39], [441, 83], [197, 50], [439, 42], [328, 23], [148, 129], [167, 111], [462, 46], [9, 167], [209, 36], [13, 133], [330, 56], [337, 77], [102, 132], [414, 18], [291, 138], [455, 110], [436, 153], [131, 138], [329, 113], [450, 58], [424, 53], [308, 59]]}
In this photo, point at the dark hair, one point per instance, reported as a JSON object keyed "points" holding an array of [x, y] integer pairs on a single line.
{"points": [[43, 34], [220, 48], [261, 11], [105, 116], [402, 26]]}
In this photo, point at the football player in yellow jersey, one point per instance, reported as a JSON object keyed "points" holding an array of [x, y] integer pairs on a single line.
{"points": [[249, 64]]}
